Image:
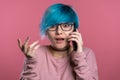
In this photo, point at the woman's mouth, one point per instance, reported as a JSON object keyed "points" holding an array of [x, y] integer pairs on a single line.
{"points": [[59, 40]]}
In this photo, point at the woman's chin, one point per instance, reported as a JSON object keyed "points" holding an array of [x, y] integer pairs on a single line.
{"points": [[61, 46]]}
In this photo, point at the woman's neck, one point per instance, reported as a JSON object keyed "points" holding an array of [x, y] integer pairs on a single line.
{"points": [[59, 53]]}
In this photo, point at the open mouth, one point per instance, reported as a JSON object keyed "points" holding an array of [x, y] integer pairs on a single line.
{"points": [[59, 40]]}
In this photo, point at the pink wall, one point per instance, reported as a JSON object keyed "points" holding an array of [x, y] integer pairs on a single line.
{"points": [[100, 28]]}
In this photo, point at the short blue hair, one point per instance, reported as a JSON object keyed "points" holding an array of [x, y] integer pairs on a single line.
{"points": [[56, 14]]}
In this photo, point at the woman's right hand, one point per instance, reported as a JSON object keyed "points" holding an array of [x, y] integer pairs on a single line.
{"points": [[28, 50]]}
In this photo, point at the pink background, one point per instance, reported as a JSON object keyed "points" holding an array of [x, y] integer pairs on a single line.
{"points": [[100, 29]]}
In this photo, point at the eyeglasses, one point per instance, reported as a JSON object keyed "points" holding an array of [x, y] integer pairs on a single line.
{"points": [[64, 27]]}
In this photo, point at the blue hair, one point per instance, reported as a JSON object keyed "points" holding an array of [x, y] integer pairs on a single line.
{"points": [[56, 14]]}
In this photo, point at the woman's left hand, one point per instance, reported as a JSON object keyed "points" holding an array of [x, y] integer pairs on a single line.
{"points": [[76, 36]]}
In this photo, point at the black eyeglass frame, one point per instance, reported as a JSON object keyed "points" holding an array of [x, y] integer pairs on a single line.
{"points": [[56, 25]]}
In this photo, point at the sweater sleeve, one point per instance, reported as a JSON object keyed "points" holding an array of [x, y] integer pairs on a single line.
{"points": [[30, 69], [85, 66]]}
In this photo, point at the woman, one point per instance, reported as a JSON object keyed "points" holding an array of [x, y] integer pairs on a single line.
{"points": [[65, 58]]}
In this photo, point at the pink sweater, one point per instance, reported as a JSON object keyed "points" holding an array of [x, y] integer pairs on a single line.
{"points": [[47, 67]]}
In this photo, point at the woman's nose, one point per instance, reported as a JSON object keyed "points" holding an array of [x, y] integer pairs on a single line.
{"points": [[59, 30]]}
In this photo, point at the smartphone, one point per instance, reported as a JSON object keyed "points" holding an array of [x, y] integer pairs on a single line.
{"points": [[74, 44]]}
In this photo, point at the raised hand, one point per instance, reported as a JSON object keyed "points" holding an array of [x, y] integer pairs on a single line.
{"points": [[76, 36], [28, 50]]}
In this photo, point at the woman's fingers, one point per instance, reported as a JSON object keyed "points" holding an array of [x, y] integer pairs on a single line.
{"points": [[19, 43], [25, 45], [75, 36], [31, 51], [28, 50], [22, 47], [32, 48], [73, 39], [75, 33], [33, 44], [26, 41], [36, 47]]}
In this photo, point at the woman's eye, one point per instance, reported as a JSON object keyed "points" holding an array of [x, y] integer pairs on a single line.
{"points": [[65, 25]]}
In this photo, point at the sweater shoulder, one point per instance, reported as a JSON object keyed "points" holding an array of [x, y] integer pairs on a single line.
{"points": [[88, 51], [41, 50]]}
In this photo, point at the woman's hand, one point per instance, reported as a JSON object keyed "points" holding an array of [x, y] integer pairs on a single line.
{"points": [[76, 36], [28, 50]]}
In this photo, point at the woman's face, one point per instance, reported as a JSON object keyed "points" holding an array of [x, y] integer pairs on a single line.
{"points": [[58, 35]]}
